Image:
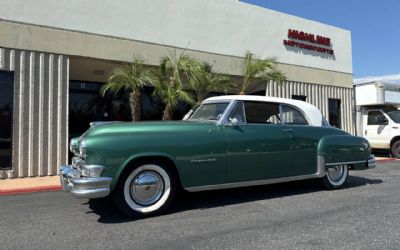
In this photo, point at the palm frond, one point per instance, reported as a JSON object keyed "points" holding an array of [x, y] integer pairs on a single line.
{"points": [[184, 96], [131, 78], [258, 70]]}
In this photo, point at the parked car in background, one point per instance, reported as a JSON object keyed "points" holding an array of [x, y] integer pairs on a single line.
{"points": [[228, 141]]}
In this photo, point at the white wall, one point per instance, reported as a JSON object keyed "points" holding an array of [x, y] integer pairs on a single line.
{"points": [[218, 26]]}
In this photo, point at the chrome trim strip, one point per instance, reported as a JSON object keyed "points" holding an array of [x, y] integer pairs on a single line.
{"points": [[90, 193], [91, 183], [321, 166], [251, 183], [94, 124], [344, 163], [320, 173], [227, 113]]}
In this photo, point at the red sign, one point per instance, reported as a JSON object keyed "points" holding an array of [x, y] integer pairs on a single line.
{"points": [[313, 42]]}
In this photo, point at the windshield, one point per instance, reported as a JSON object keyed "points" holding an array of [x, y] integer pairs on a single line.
{"points": [[209, 111], [394, 115]]}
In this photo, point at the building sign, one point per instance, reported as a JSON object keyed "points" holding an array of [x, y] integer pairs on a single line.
{"points": [[309, 41]]}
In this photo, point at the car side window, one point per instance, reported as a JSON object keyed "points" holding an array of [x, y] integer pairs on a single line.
{"points": [[291, 116], [238, 113], [376, 118], [262, 113]]}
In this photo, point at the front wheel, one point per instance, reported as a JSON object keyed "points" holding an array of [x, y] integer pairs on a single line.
{"points": [[336, 177], [395, 149], [146, 190]]}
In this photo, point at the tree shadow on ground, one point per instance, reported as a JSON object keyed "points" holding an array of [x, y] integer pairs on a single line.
{"points": [[185, 201]]}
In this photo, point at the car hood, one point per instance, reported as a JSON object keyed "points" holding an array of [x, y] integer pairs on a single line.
{"points": [[149, 127]]}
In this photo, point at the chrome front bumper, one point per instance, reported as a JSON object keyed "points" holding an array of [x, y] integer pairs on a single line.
{"points": [[83, 187], [371, 161]]}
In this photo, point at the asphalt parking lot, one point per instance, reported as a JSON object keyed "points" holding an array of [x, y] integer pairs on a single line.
{"points": [[297, 215]]}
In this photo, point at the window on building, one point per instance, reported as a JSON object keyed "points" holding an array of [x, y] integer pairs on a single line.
{"points": [[6, 112], [376, 118], [292, 116], [334, 112], [260, 93], [299, 97], [87, 105]]}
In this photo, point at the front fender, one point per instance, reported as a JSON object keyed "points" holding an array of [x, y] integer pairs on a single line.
{"points": [[118, 172], [344, 149]]}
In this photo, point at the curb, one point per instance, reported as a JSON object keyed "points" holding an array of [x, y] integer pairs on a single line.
{"points": [[386, 160], [30, 190]]}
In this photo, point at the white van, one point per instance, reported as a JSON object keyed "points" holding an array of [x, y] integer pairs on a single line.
{"points": [[378, 115]]}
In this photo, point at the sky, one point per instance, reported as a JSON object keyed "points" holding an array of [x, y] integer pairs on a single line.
{"points": [[374, 26]]}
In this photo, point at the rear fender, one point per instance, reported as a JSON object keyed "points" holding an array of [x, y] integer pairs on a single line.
{"points": [[344, 149]]}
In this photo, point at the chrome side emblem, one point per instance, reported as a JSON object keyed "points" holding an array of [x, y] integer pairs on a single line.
{"points": [[202, 160]]}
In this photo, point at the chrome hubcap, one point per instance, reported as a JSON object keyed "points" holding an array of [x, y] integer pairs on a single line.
{"points": [[147, 188], [336, 173]]}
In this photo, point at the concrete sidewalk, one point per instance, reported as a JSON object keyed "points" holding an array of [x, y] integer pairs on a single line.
{"points": [[29, 185]]}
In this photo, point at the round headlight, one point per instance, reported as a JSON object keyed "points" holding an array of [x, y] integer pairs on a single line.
{"points": [[82, 148]]}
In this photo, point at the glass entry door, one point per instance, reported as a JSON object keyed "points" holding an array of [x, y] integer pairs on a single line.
{"points": [[6, 110]]}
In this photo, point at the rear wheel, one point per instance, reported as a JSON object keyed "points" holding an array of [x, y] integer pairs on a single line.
{"points": [[336, 177], [148, 189], [395, 149]]}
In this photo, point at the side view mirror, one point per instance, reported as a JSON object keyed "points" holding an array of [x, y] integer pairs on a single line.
{"points": [[233, 121]]}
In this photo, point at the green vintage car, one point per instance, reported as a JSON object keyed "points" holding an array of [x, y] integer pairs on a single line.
{"points": [[227, 142]]}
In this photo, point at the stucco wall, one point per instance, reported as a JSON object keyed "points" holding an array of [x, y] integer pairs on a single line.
{"points": [[83, 45], [218, 26]]}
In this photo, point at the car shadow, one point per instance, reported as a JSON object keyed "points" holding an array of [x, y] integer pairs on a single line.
{"points": [[108, 213]]}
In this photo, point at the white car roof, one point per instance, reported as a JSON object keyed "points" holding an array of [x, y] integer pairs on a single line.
{"points": [[313, 113]]}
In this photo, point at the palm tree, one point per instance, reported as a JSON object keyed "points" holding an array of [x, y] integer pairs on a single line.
{"points": [[207, 81], [170, 87], [131, 77], [171, 95], [259, 70]]}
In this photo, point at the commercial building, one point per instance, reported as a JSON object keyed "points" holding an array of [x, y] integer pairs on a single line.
{"points": [[54, 56]]}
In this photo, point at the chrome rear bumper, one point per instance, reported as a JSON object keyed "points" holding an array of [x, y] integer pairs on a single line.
{"points": [[83, 187], [371, 161]]}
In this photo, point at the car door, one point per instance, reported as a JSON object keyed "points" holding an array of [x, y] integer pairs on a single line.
{"points": [[377, 129], [258, 144], [305, 141]]}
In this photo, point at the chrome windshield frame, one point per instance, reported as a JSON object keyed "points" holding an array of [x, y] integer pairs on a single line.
{"points": [[226, 112]]}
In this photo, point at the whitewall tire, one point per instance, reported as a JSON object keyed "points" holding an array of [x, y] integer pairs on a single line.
{"points": [[146, 189], [336, 177]]}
